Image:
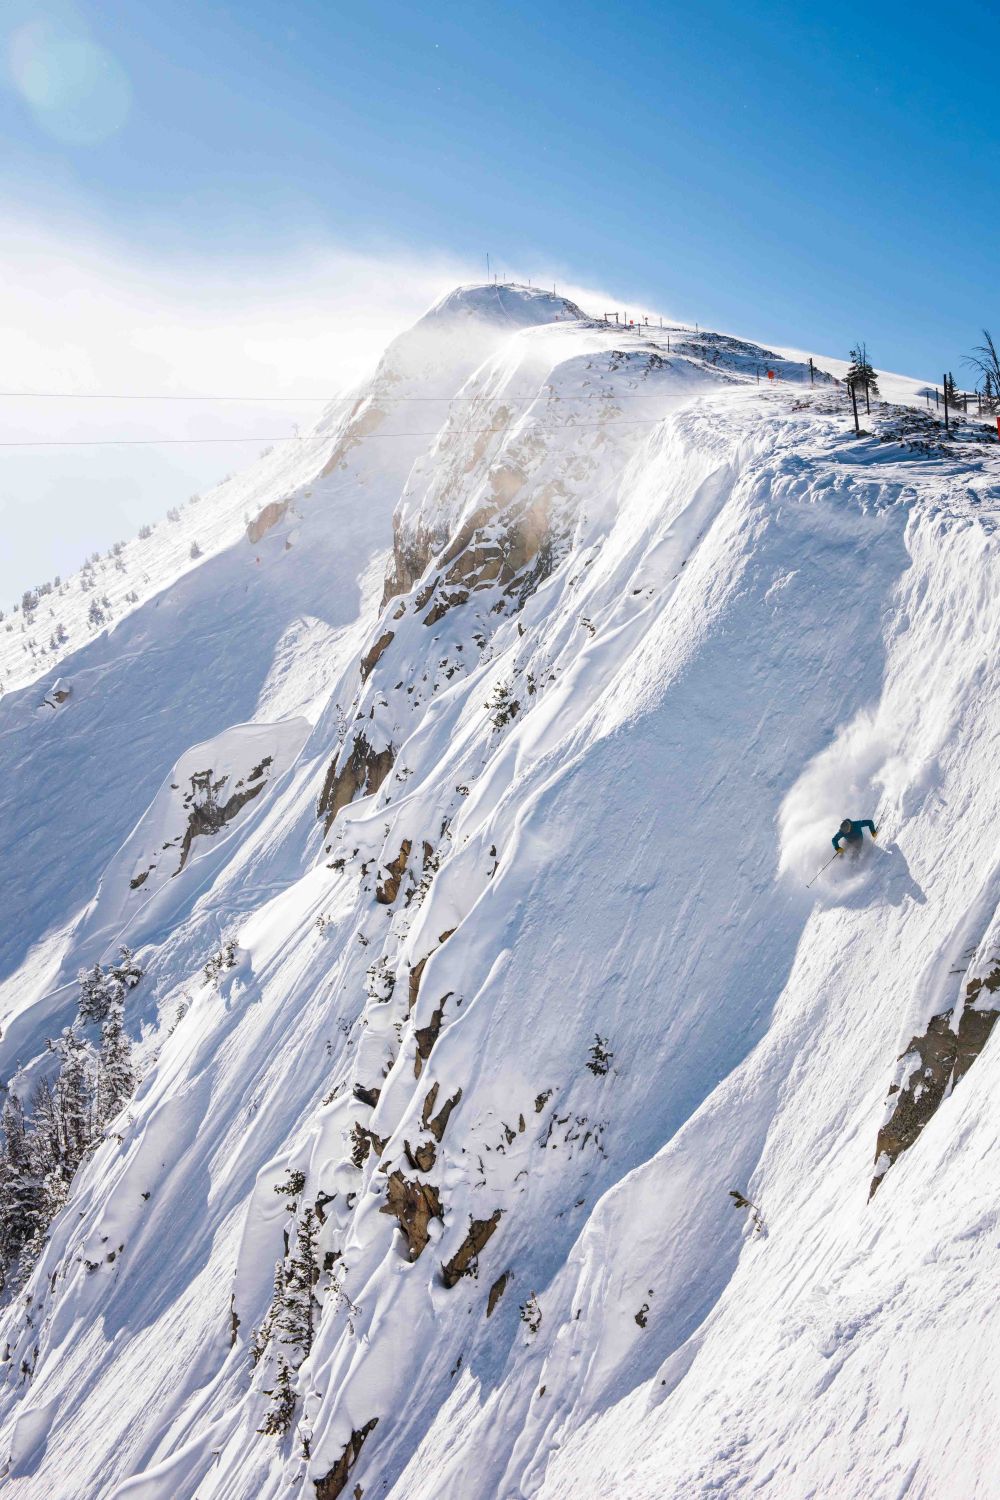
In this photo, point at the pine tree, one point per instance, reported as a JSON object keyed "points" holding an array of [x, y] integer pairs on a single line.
{"points": [[52, 1183], [262, 1335], [296, 1319], [22, 1209], [126, 971], [99, 993], [73, 1101], [92, 1005], [282, 1409], [116, 1078], [861, 374]]}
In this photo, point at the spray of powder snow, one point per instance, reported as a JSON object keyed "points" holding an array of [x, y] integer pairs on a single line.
{"points": [[858, 776]]}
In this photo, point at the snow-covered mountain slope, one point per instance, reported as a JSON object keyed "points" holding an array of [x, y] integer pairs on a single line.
{"points": [[503, 1016]]}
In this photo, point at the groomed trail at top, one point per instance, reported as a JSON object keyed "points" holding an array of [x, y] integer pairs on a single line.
{"points": [[459, 804]]}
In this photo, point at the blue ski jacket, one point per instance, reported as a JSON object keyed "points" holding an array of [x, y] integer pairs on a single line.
{"points": [[856, 834]]}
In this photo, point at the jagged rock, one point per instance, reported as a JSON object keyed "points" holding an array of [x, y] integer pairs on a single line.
{"points": [[437, 1124], [421, 1157], [412, 1204], [207, 816], [58, 693], [370, 659], [265, 519], [332, 1484], [495, 545], [976, 1024], [937, 1061], [366, 1095], [364, 769], [364, 1142], [416, 974], [465, 1260], [426, 1036], [389, 890], [496, 1292]]}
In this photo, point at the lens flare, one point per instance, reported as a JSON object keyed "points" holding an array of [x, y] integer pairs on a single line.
{"points": [[77, 91]]}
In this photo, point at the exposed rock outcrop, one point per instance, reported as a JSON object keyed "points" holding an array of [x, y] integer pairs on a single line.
{"points": [[934, 1063], [508, 541], [417, 972], [363, 769], [426, 1036], [496, 1292], [366, 1095], [363, 1142], [437, 1123], [206, 815], [388, 890], [413, 1204], [421, 1157], [371, 657], [332, 1484], [266, 519], [465, 1261]]}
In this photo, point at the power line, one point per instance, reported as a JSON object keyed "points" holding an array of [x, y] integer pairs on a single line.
{"points": [[310, 438], [298, 400]]}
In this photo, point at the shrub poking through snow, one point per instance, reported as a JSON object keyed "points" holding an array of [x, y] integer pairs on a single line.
{"points": [[531, 1314], [601, 1057], [502, 706], [219, 962]]}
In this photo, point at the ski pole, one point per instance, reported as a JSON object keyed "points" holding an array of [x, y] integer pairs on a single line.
{"points": [[825, 867]]}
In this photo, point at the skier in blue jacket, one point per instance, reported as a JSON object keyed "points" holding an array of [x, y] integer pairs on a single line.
{"points": [[852, 833]]}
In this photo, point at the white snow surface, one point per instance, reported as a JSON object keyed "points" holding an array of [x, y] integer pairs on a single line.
{"points": [[751, 623]]}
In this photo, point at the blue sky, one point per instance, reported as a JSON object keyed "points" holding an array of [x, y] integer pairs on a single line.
{"points": [[805, 174]]}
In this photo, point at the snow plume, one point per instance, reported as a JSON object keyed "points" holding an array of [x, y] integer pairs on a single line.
{"points": [[108, 317], [846, 780]]}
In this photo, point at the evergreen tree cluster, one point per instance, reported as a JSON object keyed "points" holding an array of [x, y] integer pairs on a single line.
{"points": [[287, 1332], [67, 1113], [102, 991]]}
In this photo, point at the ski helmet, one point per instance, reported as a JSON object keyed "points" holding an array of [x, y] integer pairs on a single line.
{"points": [[846, 826]]}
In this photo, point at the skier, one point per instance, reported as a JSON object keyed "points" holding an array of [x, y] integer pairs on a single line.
{"points": [[852, 832]]}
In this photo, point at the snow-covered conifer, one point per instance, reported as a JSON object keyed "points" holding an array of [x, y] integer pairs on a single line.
{"points": [[282, 1409], [99, 992], [22, 1210], [116, 1076], [73, 1101], [126, 971], [296, 1319]]}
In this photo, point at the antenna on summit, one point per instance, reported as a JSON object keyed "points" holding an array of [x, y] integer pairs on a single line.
{"points": [[487, 265]]}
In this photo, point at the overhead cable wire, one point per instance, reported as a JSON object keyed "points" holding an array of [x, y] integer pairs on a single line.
{"points": [[310, 437]]}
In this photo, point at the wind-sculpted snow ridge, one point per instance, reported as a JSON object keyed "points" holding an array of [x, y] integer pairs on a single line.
{"points": [[510, 1106]]}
